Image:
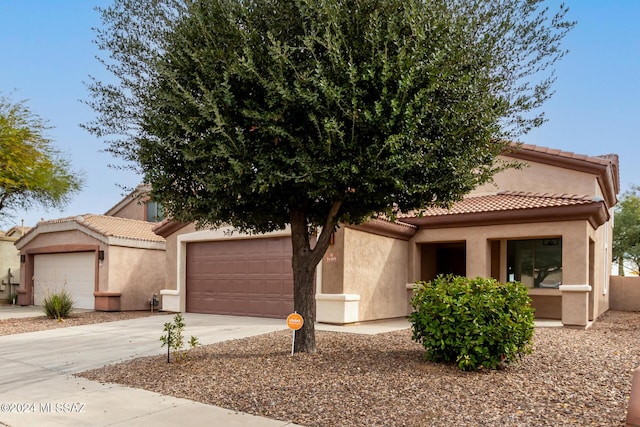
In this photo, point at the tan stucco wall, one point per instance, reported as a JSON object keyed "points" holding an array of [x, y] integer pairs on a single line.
{"points": [[171, 260], [599, 299], [135, 209], [333, 266], [542, 178], [61, 238], [136, 274], [9, 259], [377, 271], [625, 293]]}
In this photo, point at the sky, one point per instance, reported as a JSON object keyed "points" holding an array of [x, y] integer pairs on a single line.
{"points": [[47, 54]]}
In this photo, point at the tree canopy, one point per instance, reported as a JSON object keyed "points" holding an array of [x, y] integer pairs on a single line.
{"points": [[264, 113], [626, 231], [32, 171]]}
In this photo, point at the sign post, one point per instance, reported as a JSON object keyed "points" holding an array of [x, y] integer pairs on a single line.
{"points": [[294, 322]]}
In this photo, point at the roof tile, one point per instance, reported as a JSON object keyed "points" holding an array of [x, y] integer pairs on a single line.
{"points": [[110, 226], [503, 201]]}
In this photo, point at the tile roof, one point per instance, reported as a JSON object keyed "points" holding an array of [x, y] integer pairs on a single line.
{"points": [[110, 226], [602, 160], [503, 201]]}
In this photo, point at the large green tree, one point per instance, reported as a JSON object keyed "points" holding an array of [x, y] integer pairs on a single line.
{"points": [[32, 171], [626, 231], [308, 113]]}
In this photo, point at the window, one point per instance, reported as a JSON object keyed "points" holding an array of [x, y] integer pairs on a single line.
{"points": [[537, 263], [155, 212]]}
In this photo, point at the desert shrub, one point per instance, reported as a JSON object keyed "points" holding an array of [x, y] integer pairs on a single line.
{"points": [[472, 322], [58, 305]]}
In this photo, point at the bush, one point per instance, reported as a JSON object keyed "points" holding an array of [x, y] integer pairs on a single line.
{"points": [[472, 322], [174, 340], [58, 305]]}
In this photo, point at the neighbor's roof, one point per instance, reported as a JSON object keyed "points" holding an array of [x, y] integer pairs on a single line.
{"points": [[111, 226], [111, 230], [136, 194], [511, 206]]}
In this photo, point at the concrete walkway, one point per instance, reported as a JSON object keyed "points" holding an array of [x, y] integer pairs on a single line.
{"points": [[37, 386]]}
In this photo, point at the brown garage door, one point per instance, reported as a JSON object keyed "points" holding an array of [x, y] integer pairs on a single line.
{"points": [[240, 277]]}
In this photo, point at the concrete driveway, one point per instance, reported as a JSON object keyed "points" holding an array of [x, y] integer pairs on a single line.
{"points": [[37, 386]]}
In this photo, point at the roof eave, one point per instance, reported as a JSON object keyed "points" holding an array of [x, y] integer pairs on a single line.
{"points": [[381, 227], [596, 213], [168, 227]]}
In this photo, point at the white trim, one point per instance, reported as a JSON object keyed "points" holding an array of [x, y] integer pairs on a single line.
{"points": [[607, 264], [575, 288], [337, 308], [338, 297]]}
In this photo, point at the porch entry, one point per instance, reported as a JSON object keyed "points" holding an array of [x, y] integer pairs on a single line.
{"points": [[443, 258]]}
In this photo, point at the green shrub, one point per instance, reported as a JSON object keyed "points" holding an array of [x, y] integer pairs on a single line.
{"points": [[472, 322], [58, 305], [174, 340]]}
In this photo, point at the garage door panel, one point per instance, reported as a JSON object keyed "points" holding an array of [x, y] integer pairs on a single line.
{"points": [[250, 277], [74, 272]]}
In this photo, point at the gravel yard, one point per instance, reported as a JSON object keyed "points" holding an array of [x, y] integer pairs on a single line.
{"points": [[573, 378], [32, 324]]}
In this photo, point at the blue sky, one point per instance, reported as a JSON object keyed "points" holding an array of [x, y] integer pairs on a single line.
{"points": [[46, 53]]}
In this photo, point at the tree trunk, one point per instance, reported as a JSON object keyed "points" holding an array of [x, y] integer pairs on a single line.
{"points": [[621, 266], [304, 261]]}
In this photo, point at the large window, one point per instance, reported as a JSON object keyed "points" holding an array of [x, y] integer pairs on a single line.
{"points": [[536, 263], [155, 212]]}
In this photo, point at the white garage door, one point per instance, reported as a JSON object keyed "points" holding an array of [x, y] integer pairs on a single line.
{"points": [[73, 271]]}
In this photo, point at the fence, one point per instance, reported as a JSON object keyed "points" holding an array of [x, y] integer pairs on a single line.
{"points": [[624, 293]]}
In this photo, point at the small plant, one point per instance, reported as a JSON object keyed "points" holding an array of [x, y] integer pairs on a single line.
{"points": [[58, 305], [472, 322], [174, 340], [13, 298]]}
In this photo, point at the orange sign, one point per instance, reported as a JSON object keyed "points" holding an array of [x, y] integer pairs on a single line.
{"points": [[295, 321]]}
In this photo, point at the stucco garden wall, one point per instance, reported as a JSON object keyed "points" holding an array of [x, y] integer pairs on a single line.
{"points": [[625, 293]]}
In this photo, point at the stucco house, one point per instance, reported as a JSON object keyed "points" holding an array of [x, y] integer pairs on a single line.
{"points": [[548, 225], [108, 262]]}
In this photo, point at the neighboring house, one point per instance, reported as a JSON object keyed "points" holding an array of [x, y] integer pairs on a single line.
{"points": [[137, 205], [10, 262], [548, 225], [106, 262]]}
